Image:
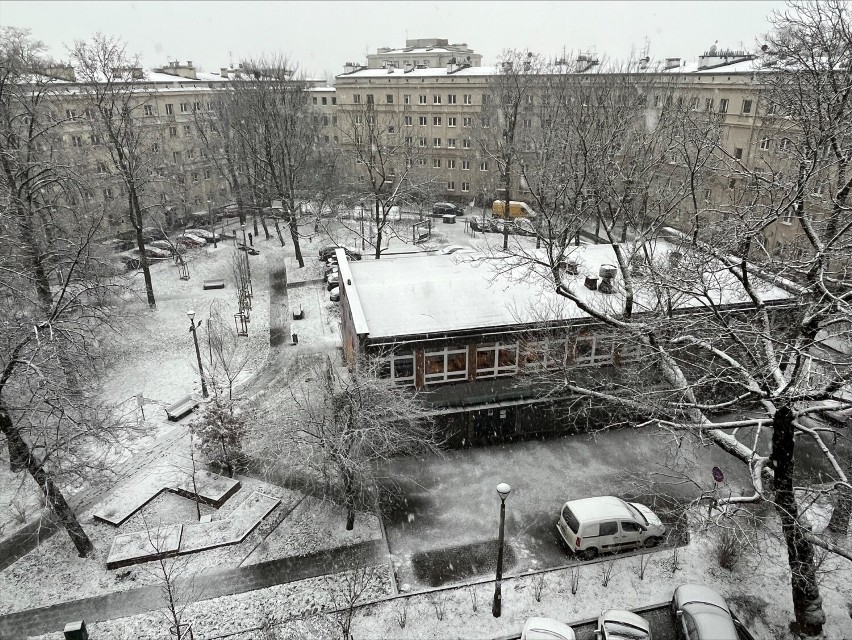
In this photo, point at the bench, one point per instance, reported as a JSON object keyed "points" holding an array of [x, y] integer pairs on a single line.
{"points": [[214, 284], [180, 408], [298, 313]]}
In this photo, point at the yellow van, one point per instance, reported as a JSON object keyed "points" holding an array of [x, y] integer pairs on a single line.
{"points": [[516, 209]]}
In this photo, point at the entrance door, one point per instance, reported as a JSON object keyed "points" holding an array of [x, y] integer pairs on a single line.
{"points": [[491, 426]]}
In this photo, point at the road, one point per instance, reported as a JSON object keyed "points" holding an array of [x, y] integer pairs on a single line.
{"points": [[442, 526]]}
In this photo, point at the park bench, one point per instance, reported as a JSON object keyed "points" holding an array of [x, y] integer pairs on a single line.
{"points": [[180, 408], [214, 284]]}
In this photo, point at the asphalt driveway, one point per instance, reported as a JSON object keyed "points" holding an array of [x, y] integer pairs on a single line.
{"points": [[448, 508]]}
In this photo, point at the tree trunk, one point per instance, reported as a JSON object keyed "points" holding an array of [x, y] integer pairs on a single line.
{"points": [[278, 231], [294, 236], [226, 459], [838, 525], [53, 496], [349, 499], [807, 602], [136, 220], [265, 228]]}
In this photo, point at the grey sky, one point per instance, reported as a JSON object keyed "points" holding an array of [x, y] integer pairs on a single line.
{"points": [[322, 36]]}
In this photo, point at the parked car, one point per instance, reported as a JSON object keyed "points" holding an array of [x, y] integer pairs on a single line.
{"points": [[486, 225], [332, 280], [156, 252], [165, 245], [593, 525], [443, 208], [702, 614], [204, 233], [152, 233], [617, 624], [334, 294], [190, 240], [327, 251], [332, 268], [546, 629]]}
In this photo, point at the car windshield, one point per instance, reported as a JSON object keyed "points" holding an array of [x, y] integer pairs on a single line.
{"points": [[640, 516], [623, 631]]}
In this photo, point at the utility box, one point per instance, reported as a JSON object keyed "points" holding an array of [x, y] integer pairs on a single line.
{"points": [[76, 631], [449, 219]]}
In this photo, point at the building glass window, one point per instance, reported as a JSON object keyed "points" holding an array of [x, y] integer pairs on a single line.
{"points": [[451, 99], [465, 165], [436, 99], [544, 354], [497, 359], [468, 98], [406, 99], [451, 143], [389, 98], [592, 350], [422, 99], [451, 122], [451, 186], [357, 98], [436, 142], [423, 121], [148, 109], [723, 105], [398, 367], [445, 365], [465, 186], [466, 122], [746, 106], [436, 121], [170, 109]]}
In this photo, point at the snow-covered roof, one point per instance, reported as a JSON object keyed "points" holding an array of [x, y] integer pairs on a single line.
{"points": [[591, 509], [436, 294], [429, 72]]}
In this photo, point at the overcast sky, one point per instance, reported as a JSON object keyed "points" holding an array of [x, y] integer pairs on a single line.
{"points": [[322, 36]]}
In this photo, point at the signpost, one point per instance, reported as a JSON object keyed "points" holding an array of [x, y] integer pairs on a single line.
{"points": [[718, 478]]}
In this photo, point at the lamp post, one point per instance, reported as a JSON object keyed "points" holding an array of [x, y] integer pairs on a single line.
{"points": [[503, 490], [191, 315]]}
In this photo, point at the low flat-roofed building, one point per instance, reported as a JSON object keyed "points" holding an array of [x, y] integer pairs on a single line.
{"points": [[466, 329]]}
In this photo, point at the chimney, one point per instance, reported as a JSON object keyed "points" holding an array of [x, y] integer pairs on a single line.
{"points": [[60, 72], [643, 63], [672, 63], [451, 65], [409, 67]]}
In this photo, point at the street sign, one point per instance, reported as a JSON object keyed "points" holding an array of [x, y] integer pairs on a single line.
{"points": [[718, 476]]}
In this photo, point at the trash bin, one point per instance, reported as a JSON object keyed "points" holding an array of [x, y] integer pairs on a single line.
{"points": [[295, 338]]}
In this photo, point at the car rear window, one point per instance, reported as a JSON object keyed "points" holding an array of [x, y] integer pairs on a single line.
{"points": [[570, 519]]}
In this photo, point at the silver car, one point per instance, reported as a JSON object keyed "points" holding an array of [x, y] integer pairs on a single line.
{"points": [[702, 614], [617, 624], [546, 629]]}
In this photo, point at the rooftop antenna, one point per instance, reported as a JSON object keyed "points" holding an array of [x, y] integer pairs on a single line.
{"points": [[647, 47], [230, 59]]}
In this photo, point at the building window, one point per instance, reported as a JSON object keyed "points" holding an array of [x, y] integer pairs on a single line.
{"points": [[422, 142], [408, 121], [466, 122], [108, 194], [423, 121], [764, 143], [356, 98], [369, 98], [466, 143], [738, 153], [76, 141], [314, 100], [465, 187], [155, 147], [445, 365], [451, 143], [71, 114], [527, 124], [657, 101], [451, 186], [694, 103], [785, 144], [495, 360], [148, 109], [190, 154], [187, 129], [483, 166], [708, 104], [451, 122], [544, 354], [406, 99], [101, 167], [465, 165], [787, 216], [723, 105], [422, 99], [451, 99], [359, 119], [389, 98], [436, 163], [173, 132], [184, 107], [196, 106], [436, 121], [336, 140], [334, 101], [593, 350], [95, 139], [468, 98], [436, 99], [451, 164], [746, 106], [436, 142], [325, 100], [398, 368]]}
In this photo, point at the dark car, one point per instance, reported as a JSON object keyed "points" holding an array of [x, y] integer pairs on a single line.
{"points": [[485, 225], [327, 251], [445, 208]]}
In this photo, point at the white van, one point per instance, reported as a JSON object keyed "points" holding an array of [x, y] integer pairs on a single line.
{"points": [[606, 523]]}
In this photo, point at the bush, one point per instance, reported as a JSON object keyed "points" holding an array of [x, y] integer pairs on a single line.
{"points": [[729, 549]]}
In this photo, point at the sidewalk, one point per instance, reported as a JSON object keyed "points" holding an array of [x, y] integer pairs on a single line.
{"points": [[224, 583]]}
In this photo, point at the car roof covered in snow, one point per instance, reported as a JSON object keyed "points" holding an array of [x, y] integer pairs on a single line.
{"points": [[590, 509]]}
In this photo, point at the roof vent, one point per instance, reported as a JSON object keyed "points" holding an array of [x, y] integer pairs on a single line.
{"points": [[607, 274]]}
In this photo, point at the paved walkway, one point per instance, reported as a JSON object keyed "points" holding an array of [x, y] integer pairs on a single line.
{"points": [[206, 586]]}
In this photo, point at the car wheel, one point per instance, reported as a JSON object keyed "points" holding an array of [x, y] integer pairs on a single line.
{"points": [[652, 542], [588, 554]]}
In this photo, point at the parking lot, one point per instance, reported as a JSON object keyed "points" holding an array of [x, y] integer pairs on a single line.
{"points": [[442, 526]]}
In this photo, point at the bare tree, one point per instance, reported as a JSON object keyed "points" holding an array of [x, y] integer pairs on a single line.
{"points": [[114, 101], [387, 168], [346, 424]]}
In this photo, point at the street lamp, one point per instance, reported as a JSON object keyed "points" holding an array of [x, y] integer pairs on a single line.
{"points": [[503, 491], [191, 315]]}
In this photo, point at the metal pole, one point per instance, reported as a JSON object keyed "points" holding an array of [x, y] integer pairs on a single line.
{"points": [[198, 355], [496, 608], [212, 226]]}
